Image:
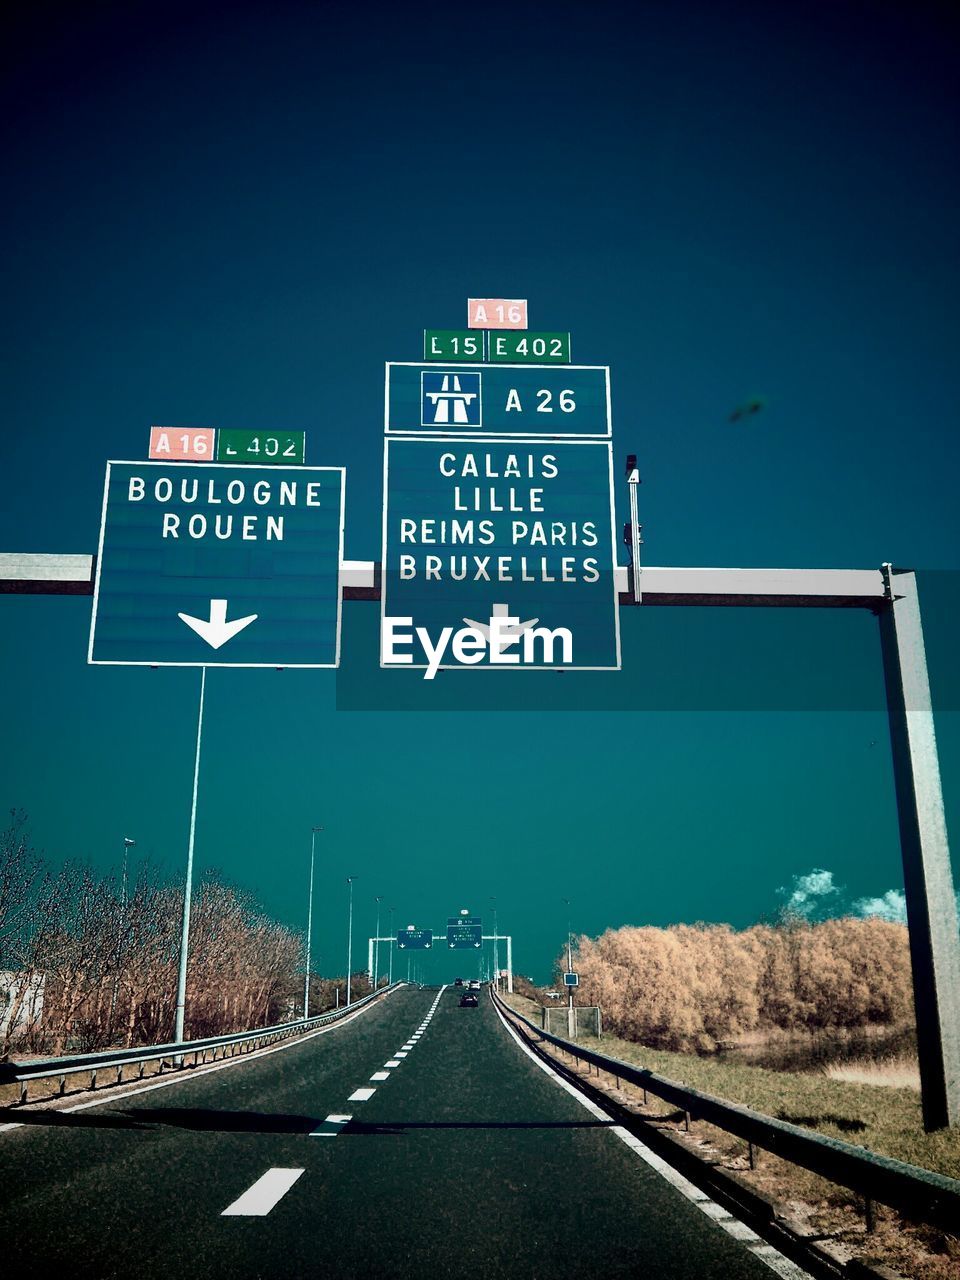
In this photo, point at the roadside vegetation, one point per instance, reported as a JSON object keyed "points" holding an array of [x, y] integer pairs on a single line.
{"points": [[88, 963], [699, 987]]}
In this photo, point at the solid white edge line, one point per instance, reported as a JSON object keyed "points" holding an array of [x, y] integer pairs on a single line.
{"points": [[194, 1072], [258, 1200], [740, 1231]]}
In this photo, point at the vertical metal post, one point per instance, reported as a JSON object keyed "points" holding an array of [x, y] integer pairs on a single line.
{"points": [[121, 925], [350, 880], [931, 904], [496, 950], [306, 981], [376, 948], [370, 959], [188, 884], [510, 964], [633, 480], [571, 1016], [393, 938]]}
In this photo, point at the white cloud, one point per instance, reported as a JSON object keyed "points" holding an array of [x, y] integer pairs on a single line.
{"points": [[890, 906], [809, 893]]}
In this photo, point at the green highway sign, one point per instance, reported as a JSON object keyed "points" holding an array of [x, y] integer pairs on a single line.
{"points": [[277, 447], [464, 933], [415, 940], [452, 344], [533, 348], [210, 564], [490, 399]]}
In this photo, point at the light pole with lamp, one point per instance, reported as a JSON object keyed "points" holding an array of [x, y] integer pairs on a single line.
{"points": [[350, 880], [496, 949], [571, 1029], [306, 980], [121, 926], [376, 946]]}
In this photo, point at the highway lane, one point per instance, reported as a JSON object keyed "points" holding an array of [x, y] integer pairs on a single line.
{"points": [[466, 1156]]}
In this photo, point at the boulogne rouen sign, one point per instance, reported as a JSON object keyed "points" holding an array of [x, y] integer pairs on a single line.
{"points": [[212, 565]]}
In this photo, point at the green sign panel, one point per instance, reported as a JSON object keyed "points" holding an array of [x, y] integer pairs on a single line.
{"points": [[464, 933], [453, 344], [534, 348], [415, 940], [280, 447]]}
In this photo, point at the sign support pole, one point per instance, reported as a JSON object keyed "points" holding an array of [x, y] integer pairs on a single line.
{"points": [[188, 885], [306, 980], [931, 905], [633, 479]]}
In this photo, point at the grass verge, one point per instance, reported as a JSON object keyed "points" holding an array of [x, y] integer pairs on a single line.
{"points": [[881, 1118]]}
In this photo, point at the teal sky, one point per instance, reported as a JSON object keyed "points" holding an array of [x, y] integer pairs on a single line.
{"points": [[235, 220]]}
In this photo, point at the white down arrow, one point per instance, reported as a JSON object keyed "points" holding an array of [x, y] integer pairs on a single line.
{"points": [[217, 630]]}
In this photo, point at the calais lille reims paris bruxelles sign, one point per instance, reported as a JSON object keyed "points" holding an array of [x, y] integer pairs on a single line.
{"points": [[498, 529]]}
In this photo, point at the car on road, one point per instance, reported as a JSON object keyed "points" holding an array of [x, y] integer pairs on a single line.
{"points": [[468, 1000], [474, 985], [458, 982]]}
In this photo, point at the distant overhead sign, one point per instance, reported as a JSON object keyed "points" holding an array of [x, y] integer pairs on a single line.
{"points": [[213, 565], [415, 940], [464, 933], [499, 399], [571, 979]]}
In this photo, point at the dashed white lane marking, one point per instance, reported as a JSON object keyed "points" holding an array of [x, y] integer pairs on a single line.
{"points": [[733, 1226], [330, 1127], [259, 1199], [364, 1095]]}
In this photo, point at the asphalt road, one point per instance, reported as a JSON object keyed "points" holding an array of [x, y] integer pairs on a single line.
{"points": [[466, 1159]]}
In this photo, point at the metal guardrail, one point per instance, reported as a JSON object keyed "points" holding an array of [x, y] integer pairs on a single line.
{"points": [[116, 1059], [917, 1193]]}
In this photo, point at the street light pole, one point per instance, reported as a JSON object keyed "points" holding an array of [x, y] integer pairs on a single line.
{"points": [[178, 1017], [121, 925], [496, 949], [376, 947], [571, 1029], [306, 980], [393, 937], [350, 880]]}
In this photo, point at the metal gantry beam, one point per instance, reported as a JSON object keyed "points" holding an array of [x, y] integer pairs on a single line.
{"points": [[487, 937], [890, 594]]}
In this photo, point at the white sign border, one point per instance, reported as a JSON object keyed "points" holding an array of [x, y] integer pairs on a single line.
{"points": [[213, 466], [478, 433], [410, 438]]}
